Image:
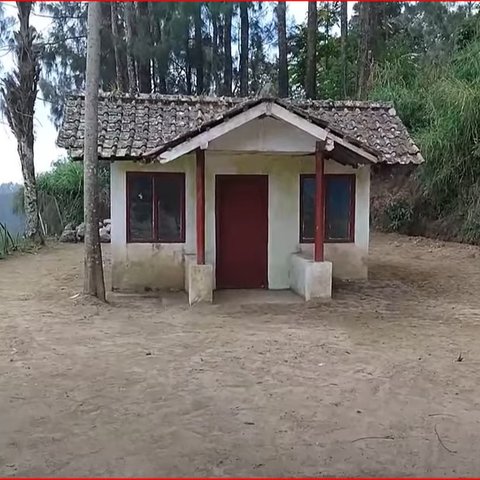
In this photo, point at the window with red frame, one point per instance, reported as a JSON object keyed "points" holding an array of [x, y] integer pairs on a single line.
{"points": [[339, 208], [155, 207]]}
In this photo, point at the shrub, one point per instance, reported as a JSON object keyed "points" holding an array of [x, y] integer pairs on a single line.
{"points": [[8, 242], [398, 216], [60, 195]]}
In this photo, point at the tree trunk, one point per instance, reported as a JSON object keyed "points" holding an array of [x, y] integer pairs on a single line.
{"points": [[93, 282], [188, 61], [311, 67], [19, 92], [228, 68], [343, 44], [198, 49], [215, 54], [30, 197], [282, 49], [116, 45], [132, 81], [143, 57], [364, 48], [244, 49]]}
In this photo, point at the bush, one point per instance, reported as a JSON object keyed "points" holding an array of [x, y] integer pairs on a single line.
{"points": [[398, 216], [441, 106], [8, 242], [60, 195]]}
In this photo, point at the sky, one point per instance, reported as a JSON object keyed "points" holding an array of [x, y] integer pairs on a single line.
{"points": [[46, 150]]}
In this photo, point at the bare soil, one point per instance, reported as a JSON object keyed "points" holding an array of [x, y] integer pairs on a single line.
{"points": [[366, 384]]}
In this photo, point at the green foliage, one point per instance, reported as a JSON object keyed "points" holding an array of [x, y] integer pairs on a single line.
{"points": [[398, 216], [8, 242], [60, 195], [439, 101], [65, 184]]}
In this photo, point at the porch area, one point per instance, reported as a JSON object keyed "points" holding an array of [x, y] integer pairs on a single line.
{"points": [[310, 276]]}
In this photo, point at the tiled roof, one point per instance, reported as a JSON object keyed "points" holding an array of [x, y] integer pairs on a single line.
{"points": [[134, 126]]}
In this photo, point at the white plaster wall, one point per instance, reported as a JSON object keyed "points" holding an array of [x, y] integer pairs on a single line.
{"points": [[149, 266], [350, 260], [138, 266], [265, 135]]}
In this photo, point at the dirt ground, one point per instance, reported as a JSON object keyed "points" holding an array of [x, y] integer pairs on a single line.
{"points": [[366, 384]]}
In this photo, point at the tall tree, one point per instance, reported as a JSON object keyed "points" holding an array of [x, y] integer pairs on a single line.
{"points": [[244, 27], [19, 92], [198, 49], [228, 65], [343, 42], [132, 79], [282, 49], [217, 45], [311, 67], [116, 45], [365, 46], [93, 277], [143, 42]]}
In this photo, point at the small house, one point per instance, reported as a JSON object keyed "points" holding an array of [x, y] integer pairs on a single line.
{"points": [[217, 193]]}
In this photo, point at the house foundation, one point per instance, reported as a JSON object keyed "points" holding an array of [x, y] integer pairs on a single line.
{"points": [[199, 282], [312, 280]]}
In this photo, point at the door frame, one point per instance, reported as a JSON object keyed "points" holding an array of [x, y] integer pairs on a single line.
{"points": [[218, 177]]}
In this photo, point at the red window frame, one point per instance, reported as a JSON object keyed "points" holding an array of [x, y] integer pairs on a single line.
{"points": [[153, 176], [351, 217]]}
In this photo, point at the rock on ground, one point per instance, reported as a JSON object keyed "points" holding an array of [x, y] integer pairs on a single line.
{"points": [[104, 235], [68, 236], [81, 232]]}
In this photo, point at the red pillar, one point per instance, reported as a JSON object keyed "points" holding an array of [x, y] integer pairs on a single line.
{"points": [[200, 154], [319, 204]]}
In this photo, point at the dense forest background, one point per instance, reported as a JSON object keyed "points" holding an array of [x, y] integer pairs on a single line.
{"points": [[424, 57]]}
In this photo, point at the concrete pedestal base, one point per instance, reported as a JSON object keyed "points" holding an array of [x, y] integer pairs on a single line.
{"points": [[200, 283], [312, 280]]}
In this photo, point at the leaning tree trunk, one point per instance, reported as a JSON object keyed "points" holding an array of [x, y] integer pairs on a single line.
{"points": [[311, 67], [282, 49], [132, 81], [19, 92], [93, 282], [243, 49], [343, 44], [228, 67]]}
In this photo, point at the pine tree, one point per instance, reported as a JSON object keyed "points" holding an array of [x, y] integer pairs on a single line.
{"points": [[311, 68], [198, 49], [143, 47], [228, 66], [282, 49], [244, 37], [343, 37], [129, 18], [116, 45], [365, 59]]}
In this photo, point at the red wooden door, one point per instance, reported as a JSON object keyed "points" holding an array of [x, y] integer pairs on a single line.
{"points": [[242, 231]]}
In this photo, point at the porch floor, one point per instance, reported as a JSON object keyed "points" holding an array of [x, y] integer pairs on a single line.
{"points": [[244, 297]]}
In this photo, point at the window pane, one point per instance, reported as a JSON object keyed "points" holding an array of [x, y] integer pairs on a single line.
{"points": [[140, 214], [308, 208], [169, 192], [338, 203]]}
